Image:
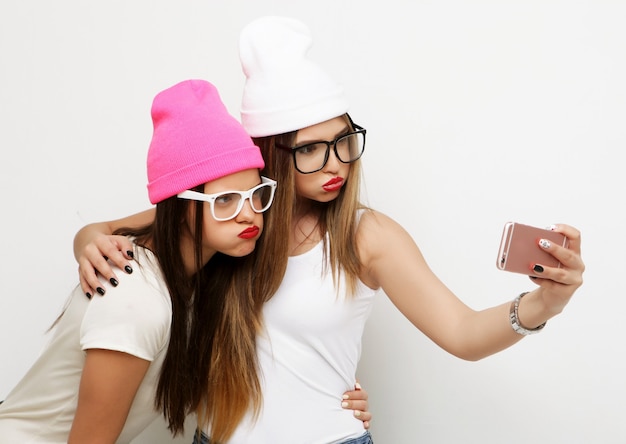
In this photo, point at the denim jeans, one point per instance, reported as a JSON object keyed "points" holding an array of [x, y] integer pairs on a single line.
{"points": [[200, 439], [366, 438]]}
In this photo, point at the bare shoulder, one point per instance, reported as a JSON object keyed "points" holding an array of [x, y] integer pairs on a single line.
{"points": [[390, 258], [375, 226], [378, 234]]}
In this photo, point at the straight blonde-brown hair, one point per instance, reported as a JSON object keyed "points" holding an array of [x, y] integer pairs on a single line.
{"points": [[338, 218]]}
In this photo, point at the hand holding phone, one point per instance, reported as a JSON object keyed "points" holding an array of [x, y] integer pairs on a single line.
{"points": [[519, 250]]}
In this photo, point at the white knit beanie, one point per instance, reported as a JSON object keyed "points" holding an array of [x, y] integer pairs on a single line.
{"points": [[284, 90]]}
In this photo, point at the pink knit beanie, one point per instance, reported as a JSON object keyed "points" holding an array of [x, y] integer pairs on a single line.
{"points": [[195, 140]]}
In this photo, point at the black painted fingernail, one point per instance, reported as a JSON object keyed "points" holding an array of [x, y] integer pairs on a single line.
{"points": [[100, 290], [113, 282], [128, 269], [88, 295], [538, 268], [130, 253]]}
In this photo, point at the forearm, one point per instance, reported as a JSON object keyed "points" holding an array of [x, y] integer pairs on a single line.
{"points": [[89, 232], [490, 331], [483, 333]]}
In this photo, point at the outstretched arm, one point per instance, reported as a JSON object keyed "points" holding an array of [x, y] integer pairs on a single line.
{"points": [[94, 243], [393, 262], [108, 385]]}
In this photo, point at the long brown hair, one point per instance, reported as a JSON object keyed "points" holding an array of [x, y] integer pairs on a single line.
{"points": [[211, 357], [232, 387], [338, 218]]}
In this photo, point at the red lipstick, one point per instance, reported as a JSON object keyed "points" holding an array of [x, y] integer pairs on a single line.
{"points": [[333, 184], [249, 233]]}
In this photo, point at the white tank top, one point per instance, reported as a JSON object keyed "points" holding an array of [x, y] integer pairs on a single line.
{"points": [[308, 356]]}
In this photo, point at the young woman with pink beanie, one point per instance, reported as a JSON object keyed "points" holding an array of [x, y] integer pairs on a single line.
{"points": [[114, 364], [333, 254]]}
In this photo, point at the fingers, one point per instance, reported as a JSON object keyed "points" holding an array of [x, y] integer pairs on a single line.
{"points": [[350, 404], [570, 256], [89, 281], [357, 394], [118, 249], [572, 266], [84, 285], [360, 408], [571, 233], [356, 400], [366, 417], [95, 259]]}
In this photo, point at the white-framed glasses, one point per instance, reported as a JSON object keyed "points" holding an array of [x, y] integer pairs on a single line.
{"points": [[228, 204]]}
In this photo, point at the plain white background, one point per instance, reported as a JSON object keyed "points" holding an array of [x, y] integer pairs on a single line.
{"points": [[477, 113]]}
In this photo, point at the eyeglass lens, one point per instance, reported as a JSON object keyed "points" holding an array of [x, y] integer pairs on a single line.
{"points": [[313, 157], [228, 205]]}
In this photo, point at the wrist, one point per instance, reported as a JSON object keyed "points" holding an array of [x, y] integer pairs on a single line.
{"points": [[516, 324]]}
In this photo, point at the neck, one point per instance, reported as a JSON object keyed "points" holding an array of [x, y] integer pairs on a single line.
{"points": [[187, 252], [305, 227]]}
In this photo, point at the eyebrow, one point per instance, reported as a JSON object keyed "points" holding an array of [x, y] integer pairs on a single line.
{"points": [[345, 130]]}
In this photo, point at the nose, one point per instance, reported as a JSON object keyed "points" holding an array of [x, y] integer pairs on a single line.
{"points": [[333, 163], [247, 214]]}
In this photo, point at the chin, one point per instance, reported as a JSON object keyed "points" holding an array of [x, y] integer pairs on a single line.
{"points": [[245, 249], [328, 197]]}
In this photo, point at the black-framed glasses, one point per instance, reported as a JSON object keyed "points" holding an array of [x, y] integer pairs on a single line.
{"points": [[312, 157], [228, 204]]}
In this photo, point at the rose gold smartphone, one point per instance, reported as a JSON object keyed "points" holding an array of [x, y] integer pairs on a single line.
{"points": [[519, 250]]}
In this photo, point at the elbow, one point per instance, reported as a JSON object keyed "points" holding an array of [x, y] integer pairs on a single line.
{"points": [[471, 354], [468, 356]]}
